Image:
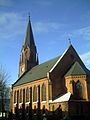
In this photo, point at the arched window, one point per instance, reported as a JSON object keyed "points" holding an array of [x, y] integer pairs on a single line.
{"points": [[15, 96], [27, 94], [79, 89], [34, 94], [73, 87], [43, 92], [20, 95]]}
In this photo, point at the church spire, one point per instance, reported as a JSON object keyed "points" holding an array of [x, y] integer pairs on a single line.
{"points": [[28, 57], [29, 39]]}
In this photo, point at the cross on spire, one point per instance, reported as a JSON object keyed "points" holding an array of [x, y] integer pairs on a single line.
{"points": [[29, 16], [69, 41]]}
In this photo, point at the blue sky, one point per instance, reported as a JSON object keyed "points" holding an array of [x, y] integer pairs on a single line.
{"points": [[53, 23]]}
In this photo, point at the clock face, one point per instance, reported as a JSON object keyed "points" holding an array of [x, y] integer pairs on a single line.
{"points": [[22, 69]]}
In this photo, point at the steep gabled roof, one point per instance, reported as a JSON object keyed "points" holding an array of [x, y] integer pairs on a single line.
{"points": [[37, 72], [70, 48], [40, 71], [76, 69]]}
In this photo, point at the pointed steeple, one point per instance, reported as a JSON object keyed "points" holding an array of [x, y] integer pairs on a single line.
{"points": [[28, 58], [29, 39]]}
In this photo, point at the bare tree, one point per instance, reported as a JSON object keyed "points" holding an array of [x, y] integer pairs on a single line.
{"points": [[3, 88]]}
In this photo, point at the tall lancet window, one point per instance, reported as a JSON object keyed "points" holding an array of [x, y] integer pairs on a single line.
{"points": [[73, 87], [20, 95], [34, 94], [27, 94], [22, 58], [15, 96], [43, 92], [79, 89]]}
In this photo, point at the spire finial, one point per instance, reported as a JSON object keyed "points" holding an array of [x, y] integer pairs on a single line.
{"points": [[29, 16], [69, 41]]}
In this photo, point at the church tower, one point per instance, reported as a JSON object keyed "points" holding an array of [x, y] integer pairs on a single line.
{"points": [[28, 56]]}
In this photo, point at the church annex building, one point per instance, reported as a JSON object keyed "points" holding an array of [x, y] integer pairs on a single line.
{"points": [[62, 82]]}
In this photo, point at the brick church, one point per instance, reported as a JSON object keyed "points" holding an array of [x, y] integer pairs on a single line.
{"points": [[62, 82]]}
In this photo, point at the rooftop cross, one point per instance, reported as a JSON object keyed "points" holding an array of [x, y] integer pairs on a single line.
{"points": [[69, 41], [29, 15]]}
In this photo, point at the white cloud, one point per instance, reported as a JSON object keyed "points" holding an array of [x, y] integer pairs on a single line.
{"points": [[5, 2], [82, 32], [11, 24], [86, 58], [47, 27], [44, 2], [86, 16]]}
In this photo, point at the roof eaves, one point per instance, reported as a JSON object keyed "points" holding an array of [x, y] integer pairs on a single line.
{"points": [[30, 81], [20, 77]]}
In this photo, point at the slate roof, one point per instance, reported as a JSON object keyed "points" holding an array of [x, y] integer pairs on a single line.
{"points": [[37, 72], [76, 69]]}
